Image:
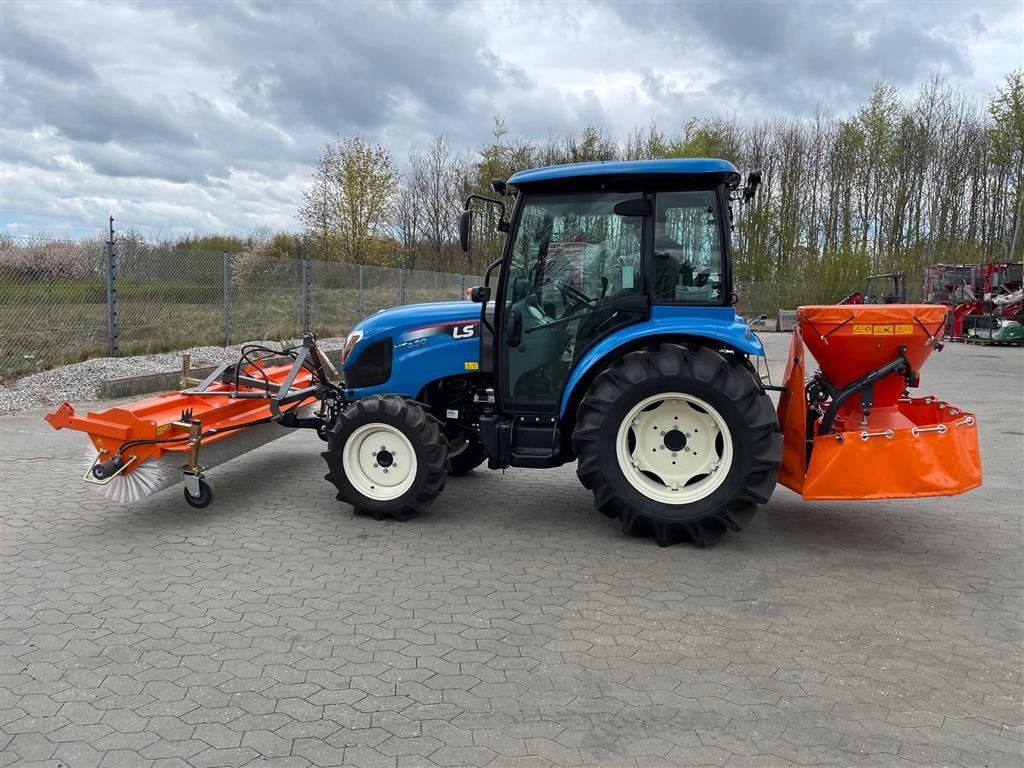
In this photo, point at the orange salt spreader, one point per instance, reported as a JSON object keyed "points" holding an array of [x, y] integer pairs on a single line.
{"points": [[853, 431]]}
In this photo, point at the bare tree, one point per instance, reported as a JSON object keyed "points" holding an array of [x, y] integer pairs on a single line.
{"points": [[319, 210], [436, 184], [407, 218]]}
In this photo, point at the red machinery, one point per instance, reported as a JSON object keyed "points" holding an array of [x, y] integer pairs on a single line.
{"points": [[976, 294]]}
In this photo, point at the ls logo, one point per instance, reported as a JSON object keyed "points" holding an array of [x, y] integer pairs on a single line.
{"points": [[464, 331]]}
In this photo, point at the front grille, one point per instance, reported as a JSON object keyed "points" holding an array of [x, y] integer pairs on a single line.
{"points": [[372, 367]]}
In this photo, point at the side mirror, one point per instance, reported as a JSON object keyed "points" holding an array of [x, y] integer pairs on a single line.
{"points": [[481, 294], [465, 224], [753, 182]]}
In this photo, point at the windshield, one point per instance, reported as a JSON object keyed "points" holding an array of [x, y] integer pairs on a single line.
{"points": [[579, 242]]}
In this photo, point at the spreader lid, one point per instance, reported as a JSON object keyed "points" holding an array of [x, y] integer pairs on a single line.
{"points": [[850, 340]]}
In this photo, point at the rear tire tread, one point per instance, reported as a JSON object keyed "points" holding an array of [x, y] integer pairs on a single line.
{"points": [[705, 365]]}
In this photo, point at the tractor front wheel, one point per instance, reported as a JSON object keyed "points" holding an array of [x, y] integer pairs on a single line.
{"points": [[677, 442], [387, 457]]}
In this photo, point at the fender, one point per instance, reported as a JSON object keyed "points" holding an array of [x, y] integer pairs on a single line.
{"points": [[718, 324]]}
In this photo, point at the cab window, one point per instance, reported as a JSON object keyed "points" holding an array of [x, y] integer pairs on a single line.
{"points": [[687, 248]]}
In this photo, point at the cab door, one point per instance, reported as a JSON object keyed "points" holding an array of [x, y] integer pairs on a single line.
{"points": [[573, 259]]}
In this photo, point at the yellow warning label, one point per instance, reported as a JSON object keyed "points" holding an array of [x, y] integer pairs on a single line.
{"points": [[472, 366], [163, 428], [883, 330]]}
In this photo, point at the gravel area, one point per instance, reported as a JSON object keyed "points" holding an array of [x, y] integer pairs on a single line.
{"points": [[78, 382]]}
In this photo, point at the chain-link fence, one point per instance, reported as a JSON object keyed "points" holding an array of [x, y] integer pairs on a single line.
{"points": [[62, 301], [53, 303]]}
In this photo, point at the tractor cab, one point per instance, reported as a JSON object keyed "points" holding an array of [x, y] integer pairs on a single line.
{"points": [[592, 251]]}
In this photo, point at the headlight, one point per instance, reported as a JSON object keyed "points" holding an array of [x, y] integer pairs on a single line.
{"points": [[350, 344]]}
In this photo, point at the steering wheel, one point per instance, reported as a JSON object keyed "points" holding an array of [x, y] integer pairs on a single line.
{"points": [[574, 293]]}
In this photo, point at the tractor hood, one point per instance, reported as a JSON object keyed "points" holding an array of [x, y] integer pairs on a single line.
{"points": [[398, 321], [403, 349]]}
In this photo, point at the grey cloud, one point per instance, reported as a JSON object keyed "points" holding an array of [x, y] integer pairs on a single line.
{"points": [[231, 102], [784, 58], [45, 53], [355, 66]]}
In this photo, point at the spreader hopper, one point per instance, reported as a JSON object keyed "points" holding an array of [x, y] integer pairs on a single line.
{"points": [[853, 431]]}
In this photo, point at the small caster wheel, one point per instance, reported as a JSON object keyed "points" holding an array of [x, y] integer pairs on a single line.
{"points": [[204, 499]]}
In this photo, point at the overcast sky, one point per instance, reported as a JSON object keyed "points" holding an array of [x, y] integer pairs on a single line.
{"points": [[179, 117]]}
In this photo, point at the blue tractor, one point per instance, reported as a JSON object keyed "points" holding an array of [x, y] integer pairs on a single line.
{"points": [[605, 335]]}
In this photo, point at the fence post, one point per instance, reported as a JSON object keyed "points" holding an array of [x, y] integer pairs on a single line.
{"points": [[111, 294], [360, 302], [462, 288], [401, 287], [305, 289], [227, 294], [437, 297]]}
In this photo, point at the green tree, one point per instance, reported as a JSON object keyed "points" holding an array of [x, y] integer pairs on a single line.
{"points": [[348, 202], [1006, 143]]}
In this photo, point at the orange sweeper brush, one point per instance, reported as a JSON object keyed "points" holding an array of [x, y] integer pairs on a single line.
{"points": [[141, 448], [853, 431]]}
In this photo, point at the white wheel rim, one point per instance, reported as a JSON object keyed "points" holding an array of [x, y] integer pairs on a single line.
{"points": [[674, 448], [379, 461]]}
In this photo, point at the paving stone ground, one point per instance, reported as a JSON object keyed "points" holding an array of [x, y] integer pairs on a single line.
{"points": [[512, 625]]}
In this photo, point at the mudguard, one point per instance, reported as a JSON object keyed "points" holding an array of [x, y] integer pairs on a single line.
{"points": [[719, 324]]}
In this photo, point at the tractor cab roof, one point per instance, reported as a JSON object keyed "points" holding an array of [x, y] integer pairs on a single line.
{"points": [[675, 172]]}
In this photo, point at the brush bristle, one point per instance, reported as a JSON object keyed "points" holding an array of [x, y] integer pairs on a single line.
{"points": [[154, 475]]}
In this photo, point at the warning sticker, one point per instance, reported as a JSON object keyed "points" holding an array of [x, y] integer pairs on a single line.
{"points": [[472, 366], [883, 330]]}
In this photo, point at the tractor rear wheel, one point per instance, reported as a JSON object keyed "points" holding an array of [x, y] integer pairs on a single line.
{"points": [[387, 457], [677, 442]]}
